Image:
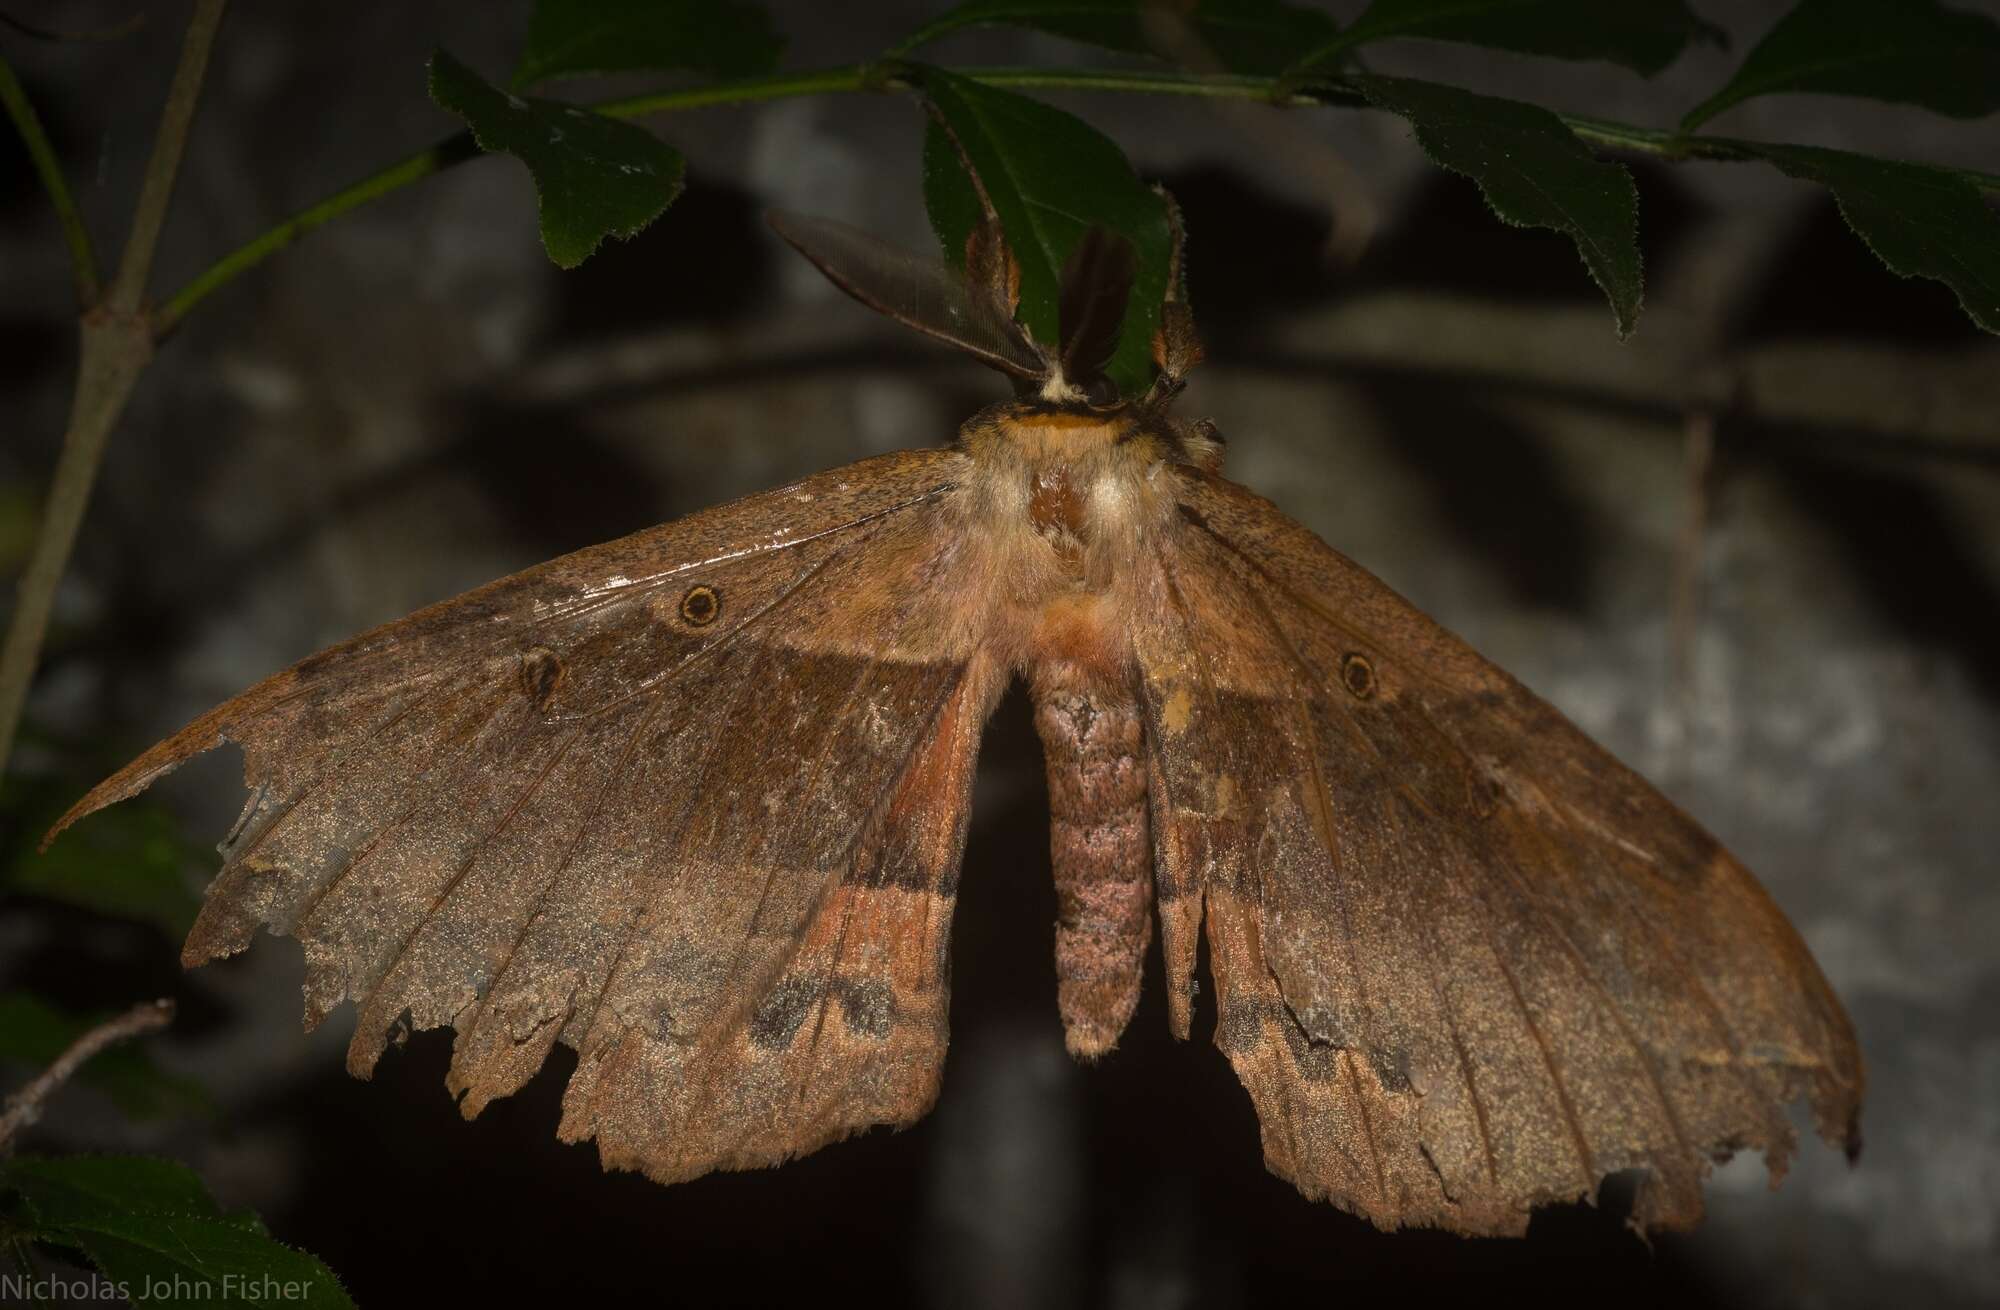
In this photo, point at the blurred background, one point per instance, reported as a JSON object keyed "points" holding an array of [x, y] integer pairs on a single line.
{"points": [[1755, 550]]}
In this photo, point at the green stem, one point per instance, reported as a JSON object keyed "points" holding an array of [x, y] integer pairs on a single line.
{"points": [[82, 258], [746, 91], [864, 77], [457, 149], [750, 90], [450, 151], [1670, 145]]}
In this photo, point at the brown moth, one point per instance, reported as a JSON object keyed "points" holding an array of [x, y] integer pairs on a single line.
{"points": [[693, 802]]}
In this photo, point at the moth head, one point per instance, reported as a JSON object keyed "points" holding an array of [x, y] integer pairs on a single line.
{"points": [[973, 309]]}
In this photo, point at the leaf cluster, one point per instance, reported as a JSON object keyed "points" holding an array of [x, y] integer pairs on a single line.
{"points": [[1051, 175]]}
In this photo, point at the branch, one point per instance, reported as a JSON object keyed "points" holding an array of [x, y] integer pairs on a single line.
{"points": [[459, 148], [128, 288], [779, 86], [25, 1106], [115, 345], [82, 258]]}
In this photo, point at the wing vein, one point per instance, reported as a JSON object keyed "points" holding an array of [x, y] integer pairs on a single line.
{"points": [[1330, 844], [1367, 1125], [1663, 942], [1549, 926], [1305, 602], [728, 639], [311, 784], [1561, 1089], [1563, 1100], [424, 791], [837, 873], [471, 858], [612, 596], [640, 913], [617, 595], [1204, 675], [1603, 994], [1432, 955], [639, 917], [569, 853]]}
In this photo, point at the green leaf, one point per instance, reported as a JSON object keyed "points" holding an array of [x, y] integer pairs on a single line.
{"points": [[152, 1227], [33, 1033], [1913, 52], [1643, 35], [725, 38], [130, 862], [1920, 221], [1248, 36], [78, 1189], [595, 176], [1052, 177], [1533, 172]]}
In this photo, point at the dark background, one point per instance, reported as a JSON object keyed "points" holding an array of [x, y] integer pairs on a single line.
{"points": [[414, 401]]}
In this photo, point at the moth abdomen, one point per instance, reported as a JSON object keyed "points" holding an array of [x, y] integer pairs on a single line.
{"points": [[1101, 850]]}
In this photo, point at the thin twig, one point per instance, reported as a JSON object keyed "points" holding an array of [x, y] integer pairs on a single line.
{"points": [[1690, 567], [128, 288], [1721, 287], [25, 1106], [115, 345], [113, 352], [82, 258], [452, 150]]}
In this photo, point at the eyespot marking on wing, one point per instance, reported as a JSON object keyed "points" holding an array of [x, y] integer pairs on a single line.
{"points": [[1357, 674], [701, 606]]}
